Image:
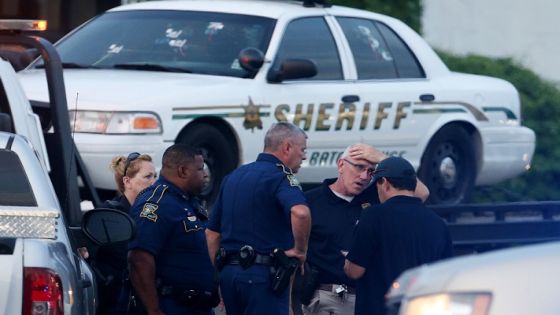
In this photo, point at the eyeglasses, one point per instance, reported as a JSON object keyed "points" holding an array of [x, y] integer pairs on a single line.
{"points": [[361, 168], [131, 157]]}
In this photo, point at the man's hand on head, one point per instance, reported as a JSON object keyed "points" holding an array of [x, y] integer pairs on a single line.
{"points": [[362, 151]]}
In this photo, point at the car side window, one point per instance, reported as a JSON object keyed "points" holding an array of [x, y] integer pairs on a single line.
{"points": [[407, 64], [310, 38], [373, 59], [15, 189], [378, 52]]}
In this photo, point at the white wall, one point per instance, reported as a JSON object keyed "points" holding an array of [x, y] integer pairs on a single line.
{"points": [[528, 31]]}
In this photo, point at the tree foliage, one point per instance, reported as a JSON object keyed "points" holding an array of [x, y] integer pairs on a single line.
{"points": [[408, 11], [540, 101]]}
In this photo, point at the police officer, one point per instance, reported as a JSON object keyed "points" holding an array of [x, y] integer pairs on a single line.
{"points": [[170, 269], [260, 208], [132, 175]]}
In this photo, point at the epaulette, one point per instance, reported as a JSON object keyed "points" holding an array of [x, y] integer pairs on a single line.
{"points": [[290, 175], [285, 169], [151, 205], [158, 193]]}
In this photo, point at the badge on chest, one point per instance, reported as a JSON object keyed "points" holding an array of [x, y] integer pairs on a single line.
{"points": [[192, 224]]}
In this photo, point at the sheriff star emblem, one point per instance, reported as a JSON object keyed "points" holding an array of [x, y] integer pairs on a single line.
{"points": [[252, 116]]}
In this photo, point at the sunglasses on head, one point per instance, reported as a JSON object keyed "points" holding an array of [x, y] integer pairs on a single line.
{"points": [[131, 157]]}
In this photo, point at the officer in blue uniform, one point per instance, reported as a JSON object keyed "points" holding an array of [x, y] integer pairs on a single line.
{"points": [[260, 208], [170, 269]]}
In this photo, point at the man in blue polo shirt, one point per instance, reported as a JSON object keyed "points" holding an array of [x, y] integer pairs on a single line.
{"points": [[260, 208], [398, 234], [168, 259]]}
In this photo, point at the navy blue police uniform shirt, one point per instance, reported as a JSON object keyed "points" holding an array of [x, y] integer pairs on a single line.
{"points": [[394, 236], [170, 226], [334, 222], [254, 206]]}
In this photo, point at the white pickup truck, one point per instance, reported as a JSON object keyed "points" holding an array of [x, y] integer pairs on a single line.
{"points": [[41, 271]]}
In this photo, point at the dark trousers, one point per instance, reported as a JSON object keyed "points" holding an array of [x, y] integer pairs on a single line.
{"points": [[248, 292], [170, 307]]}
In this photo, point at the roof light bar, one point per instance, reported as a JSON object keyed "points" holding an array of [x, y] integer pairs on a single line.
{"points": [[23, 25]]}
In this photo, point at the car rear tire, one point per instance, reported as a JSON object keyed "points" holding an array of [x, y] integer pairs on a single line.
{"points": [[448, 166], [220, 156]]}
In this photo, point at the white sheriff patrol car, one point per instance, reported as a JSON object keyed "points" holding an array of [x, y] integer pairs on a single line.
{"points": [[217, 74]]}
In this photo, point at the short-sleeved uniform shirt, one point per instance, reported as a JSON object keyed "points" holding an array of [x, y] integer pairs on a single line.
{"points": [[397, 235], [170, 226], [254, 205], [334, 221]]}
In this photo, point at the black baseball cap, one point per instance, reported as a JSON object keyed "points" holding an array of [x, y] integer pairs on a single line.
{"points": [[394, 167]]}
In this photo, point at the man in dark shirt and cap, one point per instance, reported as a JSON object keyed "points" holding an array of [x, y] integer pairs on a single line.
{"points": [[336, 207], [399, 234]]}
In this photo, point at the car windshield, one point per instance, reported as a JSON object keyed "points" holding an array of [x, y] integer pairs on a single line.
{"points": [[170, 41]]}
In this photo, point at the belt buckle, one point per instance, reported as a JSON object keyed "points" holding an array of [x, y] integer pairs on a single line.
{"points": [[340, 290]]}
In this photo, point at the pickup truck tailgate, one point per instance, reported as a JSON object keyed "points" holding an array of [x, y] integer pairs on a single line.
{"points": [[11, 273]]}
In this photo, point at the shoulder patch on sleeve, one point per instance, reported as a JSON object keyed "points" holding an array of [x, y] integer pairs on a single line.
{"points": [[290, 175], [293, 181], [149, 211]]}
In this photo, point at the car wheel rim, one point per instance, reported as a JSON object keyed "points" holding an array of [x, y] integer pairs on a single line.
{"points": [[447, 171]]}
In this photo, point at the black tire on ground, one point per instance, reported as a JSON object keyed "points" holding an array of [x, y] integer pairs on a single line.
{"points": [[448, 166], [220, 155]]}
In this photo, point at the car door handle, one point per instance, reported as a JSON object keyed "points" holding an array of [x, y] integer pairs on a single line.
{"points": [[350, 99], [427, 97]]}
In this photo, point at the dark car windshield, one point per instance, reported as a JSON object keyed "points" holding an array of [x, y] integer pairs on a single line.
{"points": [[171, 41]]}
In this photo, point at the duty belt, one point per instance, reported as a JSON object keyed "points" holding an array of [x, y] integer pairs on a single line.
{"points": [[195, 299], [260, 259]]}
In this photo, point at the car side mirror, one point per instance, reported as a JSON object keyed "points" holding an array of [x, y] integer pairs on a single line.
{"points": [[107, 226], [291, 69], [251, 59]]}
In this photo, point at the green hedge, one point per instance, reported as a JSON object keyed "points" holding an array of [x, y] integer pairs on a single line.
{"points": [[540, 111]]}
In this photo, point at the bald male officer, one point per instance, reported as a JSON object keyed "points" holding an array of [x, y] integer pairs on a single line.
{"points": [[260, 208], [168, 259]]}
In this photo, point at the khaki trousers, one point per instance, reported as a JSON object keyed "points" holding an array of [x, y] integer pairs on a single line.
{"points": [[330, 303]]}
